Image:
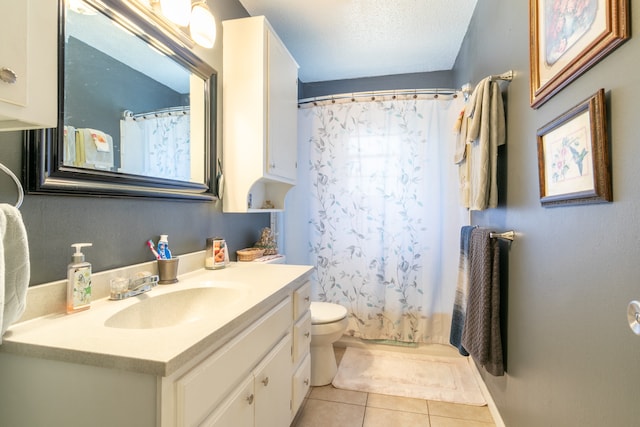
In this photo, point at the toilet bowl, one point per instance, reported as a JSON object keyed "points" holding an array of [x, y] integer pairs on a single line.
{"points": [[328, 323]]}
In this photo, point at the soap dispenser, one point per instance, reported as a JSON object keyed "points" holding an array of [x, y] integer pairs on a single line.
{"points": [[78, 281]]}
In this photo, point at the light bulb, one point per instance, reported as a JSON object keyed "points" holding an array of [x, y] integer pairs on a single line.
{"points": [[202, 25], [177, 11]]}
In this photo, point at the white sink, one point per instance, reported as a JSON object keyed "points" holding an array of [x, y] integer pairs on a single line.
{"points": [[175, 308]]}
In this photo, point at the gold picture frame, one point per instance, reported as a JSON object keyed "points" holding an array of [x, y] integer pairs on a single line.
{"points": [[573, 156], [569, 37]]}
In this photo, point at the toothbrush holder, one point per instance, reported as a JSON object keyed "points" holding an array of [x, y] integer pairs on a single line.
{"points": [[168, 271]]}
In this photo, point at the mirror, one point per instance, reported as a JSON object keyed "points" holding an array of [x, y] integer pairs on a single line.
{"points": [[136, 108]]}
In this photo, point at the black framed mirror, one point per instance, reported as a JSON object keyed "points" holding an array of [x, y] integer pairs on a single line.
{"points": [[136, 107]]}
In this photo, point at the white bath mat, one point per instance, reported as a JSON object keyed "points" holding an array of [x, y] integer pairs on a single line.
{"points": [[446, 379]]}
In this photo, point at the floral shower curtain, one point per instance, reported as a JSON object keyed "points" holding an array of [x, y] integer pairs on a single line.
{"points": [[383, 220], [157, 146]]}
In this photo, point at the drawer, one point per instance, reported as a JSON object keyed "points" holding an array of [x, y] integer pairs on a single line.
{"points": [[301, 337], [199, 390], [301, 300], [301, 381]]}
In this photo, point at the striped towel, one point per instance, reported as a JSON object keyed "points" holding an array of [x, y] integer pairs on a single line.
{"points": [[462, 291], [481, 332]]}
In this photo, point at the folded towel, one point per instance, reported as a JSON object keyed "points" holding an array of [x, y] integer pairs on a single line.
{"points": [[93, 156], [100, 139], [481, 332], [14, 266], [462, 291]]}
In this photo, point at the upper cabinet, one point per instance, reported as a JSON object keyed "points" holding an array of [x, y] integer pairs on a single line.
{"points": [[260, 95], [28, 64]]}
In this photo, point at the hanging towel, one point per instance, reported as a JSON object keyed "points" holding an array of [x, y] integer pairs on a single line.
{"points": [[14, 266], [92, 156], [481, 332], [462, 291], [461, 158], [69, 157], [484, 133]]}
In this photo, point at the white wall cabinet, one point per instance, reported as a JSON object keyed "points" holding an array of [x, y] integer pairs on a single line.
{"points": [[29, 64], [260, 91]]}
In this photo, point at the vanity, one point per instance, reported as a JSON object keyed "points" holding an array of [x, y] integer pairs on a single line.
{"points": [[223, 347]]}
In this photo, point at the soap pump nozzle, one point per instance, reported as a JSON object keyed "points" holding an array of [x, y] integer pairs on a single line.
{"points": [[78, 256]]}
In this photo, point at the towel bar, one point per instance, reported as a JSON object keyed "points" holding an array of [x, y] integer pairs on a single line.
{"points": [[507, 235], [17, 181]]}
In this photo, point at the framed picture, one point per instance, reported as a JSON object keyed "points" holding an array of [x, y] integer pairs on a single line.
{"points": [[567, 37], [573, 156]]}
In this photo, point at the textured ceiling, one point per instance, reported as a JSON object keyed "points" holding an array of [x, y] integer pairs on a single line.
{"points": [[344, 39]]}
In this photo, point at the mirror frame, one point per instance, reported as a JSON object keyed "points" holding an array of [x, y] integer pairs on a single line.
{"points": [[44, 169]]}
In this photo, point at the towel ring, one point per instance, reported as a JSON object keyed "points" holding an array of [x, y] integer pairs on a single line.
{"points": [[17, 181]]}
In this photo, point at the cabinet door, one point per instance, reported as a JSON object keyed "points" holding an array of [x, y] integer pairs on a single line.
{"points": [[13, 52], [282, 75], [273, 387], [237, 410], [300, 383], [29, 54]]}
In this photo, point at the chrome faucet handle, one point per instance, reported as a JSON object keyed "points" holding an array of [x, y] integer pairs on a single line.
{"points": [[141, 282], [136, 287]]}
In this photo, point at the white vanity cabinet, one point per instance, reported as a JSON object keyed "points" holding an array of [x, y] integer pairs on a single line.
{"points": [[28, 64], [301, 346], [244, 383], [260, 94], [245, 366]]}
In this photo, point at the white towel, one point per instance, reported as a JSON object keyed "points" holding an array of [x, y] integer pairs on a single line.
{"points": [[485, 132], [14, 266], [93, 157], [69, 146]]}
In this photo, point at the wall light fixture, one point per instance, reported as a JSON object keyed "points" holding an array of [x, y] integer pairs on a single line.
{"points": [[196, 16]]}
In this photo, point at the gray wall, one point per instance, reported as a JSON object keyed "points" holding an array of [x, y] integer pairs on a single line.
{"points": [[435, 79], [571, 358], [117, 227]]}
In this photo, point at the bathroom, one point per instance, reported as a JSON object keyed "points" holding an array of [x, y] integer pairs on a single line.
{"points": [[571, 358]]}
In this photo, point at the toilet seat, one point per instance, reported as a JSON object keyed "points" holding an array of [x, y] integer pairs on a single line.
{"points": [[325, 312]]}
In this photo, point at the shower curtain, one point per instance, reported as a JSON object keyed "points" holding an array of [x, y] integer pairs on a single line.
{"points": [[157, 146], [383, 219]]}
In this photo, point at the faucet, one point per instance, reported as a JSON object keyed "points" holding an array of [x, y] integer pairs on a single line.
{"points": [[134, 287]]}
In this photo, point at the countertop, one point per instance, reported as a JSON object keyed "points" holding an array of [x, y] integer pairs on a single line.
{"points": [[83, 337]]}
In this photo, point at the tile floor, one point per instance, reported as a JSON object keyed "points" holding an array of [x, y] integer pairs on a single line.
{"points": [[331, 407]]}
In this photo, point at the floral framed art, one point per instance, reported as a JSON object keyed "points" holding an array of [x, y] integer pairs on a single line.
{"points": [[573, 156], [567, 37]]}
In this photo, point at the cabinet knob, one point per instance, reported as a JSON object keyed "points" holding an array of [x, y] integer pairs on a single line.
{"points": [[265, 381], [307, 334], [307, 299], [250, 399], [7, 75], [306, 381]]}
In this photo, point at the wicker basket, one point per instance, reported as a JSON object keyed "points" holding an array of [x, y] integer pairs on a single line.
{"points": [[249, 254]]}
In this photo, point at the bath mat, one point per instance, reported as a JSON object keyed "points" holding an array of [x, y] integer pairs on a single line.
{"points": [[422, 376]]}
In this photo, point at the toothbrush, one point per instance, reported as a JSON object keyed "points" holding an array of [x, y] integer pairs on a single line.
{"points": [[150, 244]]}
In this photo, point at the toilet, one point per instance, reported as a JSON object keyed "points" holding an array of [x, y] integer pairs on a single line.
{"points": [[328, 323]]}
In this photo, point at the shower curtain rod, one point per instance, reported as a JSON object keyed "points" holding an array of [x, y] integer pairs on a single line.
{"points": [[466, 89], [378, 93], [128, 114]]}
